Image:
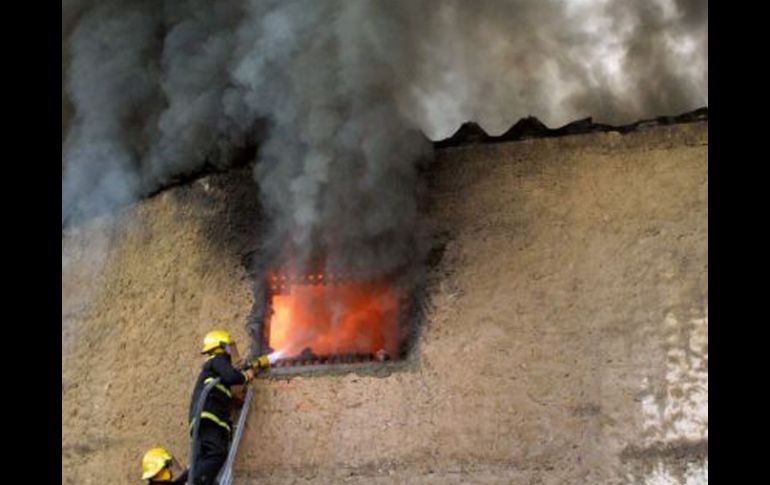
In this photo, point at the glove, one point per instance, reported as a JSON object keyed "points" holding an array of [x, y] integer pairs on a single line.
{"points": [[249, 374]]}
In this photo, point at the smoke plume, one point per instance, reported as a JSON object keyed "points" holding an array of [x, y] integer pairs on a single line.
{"points": [[159, 88]]}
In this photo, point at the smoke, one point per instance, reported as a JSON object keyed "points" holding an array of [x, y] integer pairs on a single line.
{"points": [[160, 88], [495, 62], [112, 85], [338, 169]]}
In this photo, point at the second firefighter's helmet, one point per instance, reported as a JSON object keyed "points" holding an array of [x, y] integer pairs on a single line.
{"points": [[155, 464]]}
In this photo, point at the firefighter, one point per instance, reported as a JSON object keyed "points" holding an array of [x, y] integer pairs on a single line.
{"points": [[215, 426], [158, 467]]}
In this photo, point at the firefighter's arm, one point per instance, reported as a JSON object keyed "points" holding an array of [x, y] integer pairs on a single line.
{"points": [[230, 375]]}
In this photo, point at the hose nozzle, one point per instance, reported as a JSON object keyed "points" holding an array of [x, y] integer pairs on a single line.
{"points": [[261, 362]]}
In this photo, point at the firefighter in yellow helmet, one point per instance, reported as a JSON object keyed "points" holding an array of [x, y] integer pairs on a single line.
{"points": [[215, 426], [158, 467]]}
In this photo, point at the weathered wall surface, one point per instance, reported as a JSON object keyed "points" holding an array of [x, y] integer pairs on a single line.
{"points": [[137, 296], [566, 339]]}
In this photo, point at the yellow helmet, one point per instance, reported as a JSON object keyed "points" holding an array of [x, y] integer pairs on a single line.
{"points": [[154, 462], [164, 475], [215, 339]]}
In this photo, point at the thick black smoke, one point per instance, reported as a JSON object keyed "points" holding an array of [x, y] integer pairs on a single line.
{"points": [[158, 88]]}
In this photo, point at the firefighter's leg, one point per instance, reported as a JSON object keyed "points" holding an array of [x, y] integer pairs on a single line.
{"points": [[214, 443]]}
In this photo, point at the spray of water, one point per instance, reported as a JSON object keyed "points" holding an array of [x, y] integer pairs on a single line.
{"points": [[274, 356]]}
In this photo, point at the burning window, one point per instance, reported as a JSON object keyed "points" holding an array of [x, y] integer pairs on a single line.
{"points": [[327, 319]]}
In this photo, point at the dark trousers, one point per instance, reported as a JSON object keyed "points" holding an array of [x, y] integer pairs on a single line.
{"points": [[214, 443]]}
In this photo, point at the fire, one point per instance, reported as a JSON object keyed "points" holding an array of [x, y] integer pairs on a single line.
{"points": [[337, 318]]}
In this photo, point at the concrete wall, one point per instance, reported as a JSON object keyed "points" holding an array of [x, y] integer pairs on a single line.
{"points": [[566, 339]]}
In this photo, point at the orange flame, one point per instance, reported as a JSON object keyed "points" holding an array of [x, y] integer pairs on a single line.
{"points": [[334, 319]]}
